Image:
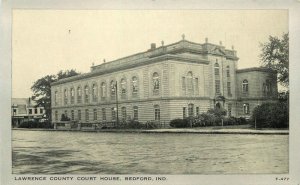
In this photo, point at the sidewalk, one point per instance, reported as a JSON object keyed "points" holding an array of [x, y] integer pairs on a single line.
{"points": [[176, 130]]}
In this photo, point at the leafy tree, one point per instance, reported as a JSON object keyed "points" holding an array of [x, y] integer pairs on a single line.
{"points": [[271, 115], [42, 89], [275, 55]]}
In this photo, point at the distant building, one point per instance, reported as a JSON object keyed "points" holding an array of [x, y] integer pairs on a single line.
{"points": [[25, 109], [179, 80]]}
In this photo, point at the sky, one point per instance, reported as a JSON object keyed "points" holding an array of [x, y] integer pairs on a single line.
{"points": [[47, 41]]}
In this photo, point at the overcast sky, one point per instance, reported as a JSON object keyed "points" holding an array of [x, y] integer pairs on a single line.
{"points": [[46, 41]]}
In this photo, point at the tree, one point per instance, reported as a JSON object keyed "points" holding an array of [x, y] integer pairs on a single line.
{"points": [[275, 55], [42, 89]]}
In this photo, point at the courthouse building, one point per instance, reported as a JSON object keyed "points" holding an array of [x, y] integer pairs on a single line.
{"points": [[163, 83]]}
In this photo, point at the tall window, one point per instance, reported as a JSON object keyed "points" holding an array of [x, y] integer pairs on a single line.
{"points": [[95, 114], [184, 112], [79, 115], [245, 86], [191, 110], [135, 85], [190, 81], [123, 86], [35, 111], [268, 87], [113, 114], [112, 88], [196, 86], [72, 95], [124, 113], [87, 115], [103, 90], [103, 114], [66, 96], [156, 112], [41, 111], [66, 114], [217, 84], [94, 92], [29, 111], [135, 113], [183, 84], [227, 71], [56, 116], [229, 89], [72, 115], [229, 109], [156, 83], [217, 69], [56, 98], [86, 94], [246, 108], [197, 111], [79, 95]]}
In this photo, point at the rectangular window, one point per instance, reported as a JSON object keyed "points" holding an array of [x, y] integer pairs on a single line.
{"points": [[29, 111], [229, 89], [135, 113], [197, 111], [79, 114], [113, 114], [15, 110], [157, 113], [191, 110], [35, 111], [103, 114], [183, 84], [56, 116], [124, 113], [41, 111], [72, 115], [229, 109], [66, 113], [196, 86], [95, 114], [86, 114], [246, 108], [184, 112], [217, 83]]}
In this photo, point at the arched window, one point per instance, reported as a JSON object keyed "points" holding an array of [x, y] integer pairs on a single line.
{"points": [[112, 88], [66, 96], [156, 83], [94, 92], [72, 95], [123, 110], [190, 81], [86, 94], [228, 71], [123, 86], [156, 112], [217, 70], [56, 98], [191, 110], [245, 86], [135, 88], [103, 90], [79, 95], [135, 113]]}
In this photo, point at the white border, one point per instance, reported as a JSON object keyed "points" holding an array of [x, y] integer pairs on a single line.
{"points": [[294, 30]]}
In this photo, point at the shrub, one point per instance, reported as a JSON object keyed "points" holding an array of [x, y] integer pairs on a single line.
{"points": [[35, 124], [180, 123], [271, 115]]}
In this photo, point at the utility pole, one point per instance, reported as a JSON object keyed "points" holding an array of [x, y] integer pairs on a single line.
{"points": [[117, 103]]}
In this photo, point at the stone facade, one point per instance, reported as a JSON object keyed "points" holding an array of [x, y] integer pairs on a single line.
{"points": [[167, 82]]}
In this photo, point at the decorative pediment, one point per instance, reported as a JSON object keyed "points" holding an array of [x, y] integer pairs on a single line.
{"points": [[218, 51]]}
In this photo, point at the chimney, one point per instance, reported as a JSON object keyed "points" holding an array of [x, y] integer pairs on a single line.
{"points": [[206, 40], [153, 46]]}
